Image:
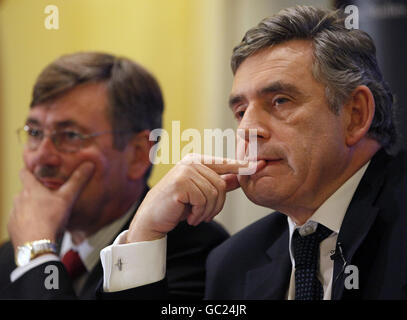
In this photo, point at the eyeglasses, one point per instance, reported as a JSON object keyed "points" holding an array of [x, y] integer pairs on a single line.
{"points": [[64, 141]]}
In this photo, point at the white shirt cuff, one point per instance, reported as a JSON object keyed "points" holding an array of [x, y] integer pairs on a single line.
{"points": [[19, 271], [130, 265]]}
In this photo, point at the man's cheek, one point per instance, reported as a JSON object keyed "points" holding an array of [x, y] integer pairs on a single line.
{"points": [[98, 161], [243, 180], [28, 162], [241, 146]]}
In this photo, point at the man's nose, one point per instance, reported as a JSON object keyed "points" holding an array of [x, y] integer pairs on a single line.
{"points": [[46, 153], [254, 124]]}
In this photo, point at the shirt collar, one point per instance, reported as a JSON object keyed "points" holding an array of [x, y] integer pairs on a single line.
{"points": [[89, 249], [332, 211]]}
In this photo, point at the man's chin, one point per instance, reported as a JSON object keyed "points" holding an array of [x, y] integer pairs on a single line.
{"points": [[262, 193], [261, 200]]}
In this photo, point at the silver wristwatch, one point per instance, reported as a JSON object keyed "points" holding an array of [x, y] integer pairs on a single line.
{"points": [[30, 250]]}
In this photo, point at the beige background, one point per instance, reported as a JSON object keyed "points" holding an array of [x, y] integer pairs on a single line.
{"points": [[185, 43]]}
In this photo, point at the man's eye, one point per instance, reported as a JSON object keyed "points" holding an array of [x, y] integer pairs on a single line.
{"points": [[70, 135], [239, 114], [35, 133], [279, 101]]}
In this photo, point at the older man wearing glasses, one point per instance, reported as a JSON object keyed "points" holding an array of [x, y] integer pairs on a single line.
{"points": [[86, 155]]}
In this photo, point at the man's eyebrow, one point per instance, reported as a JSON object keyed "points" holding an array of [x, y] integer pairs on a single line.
{"points": [[71, 124], [59, 125], [280, 87], [32, 121], [66, 123], [235, 99], [274, 87]]}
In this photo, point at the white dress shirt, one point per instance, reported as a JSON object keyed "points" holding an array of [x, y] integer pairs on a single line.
{"points": [[131, 265], [330, 214]]}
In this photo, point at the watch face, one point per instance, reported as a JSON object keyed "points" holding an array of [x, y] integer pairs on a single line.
{"points": [[23, 255]]}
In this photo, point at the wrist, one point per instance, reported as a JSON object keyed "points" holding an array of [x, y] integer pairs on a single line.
{"points": [[141, 229], [139, 235]]}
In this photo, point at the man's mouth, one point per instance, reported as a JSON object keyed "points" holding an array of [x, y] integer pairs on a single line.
{"points": [[51, 183], [263, 163], [270, 160], [270, 163]]}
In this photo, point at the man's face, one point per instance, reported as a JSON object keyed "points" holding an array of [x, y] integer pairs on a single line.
{"points": [[82, 110], [301, 139]]}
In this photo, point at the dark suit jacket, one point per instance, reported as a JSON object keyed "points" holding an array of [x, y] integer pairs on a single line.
{"points": [[255, 263], [187, 250]]}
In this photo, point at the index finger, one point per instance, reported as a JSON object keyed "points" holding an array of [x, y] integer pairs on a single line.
{"points": [[77, 181], [218, 164]]}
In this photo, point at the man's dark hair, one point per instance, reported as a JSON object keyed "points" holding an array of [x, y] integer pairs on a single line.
{"points": [[135, 98]]}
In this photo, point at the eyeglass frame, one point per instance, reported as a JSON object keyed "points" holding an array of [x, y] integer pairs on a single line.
{"points": [[53, 134]]}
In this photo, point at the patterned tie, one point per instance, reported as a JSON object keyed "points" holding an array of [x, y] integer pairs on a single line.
{"points": [[73, 264], [306, 256]]}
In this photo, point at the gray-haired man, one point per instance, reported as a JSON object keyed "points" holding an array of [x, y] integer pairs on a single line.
{"points": [[323, 114]]}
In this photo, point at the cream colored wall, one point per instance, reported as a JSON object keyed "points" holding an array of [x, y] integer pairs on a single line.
{"points": [[186, 43]]}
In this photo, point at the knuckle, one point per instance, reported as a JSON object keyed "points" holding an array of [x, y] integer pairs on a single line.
{"points": [[184, 169], [180, 174], [191, 158], [222, 185], [179, 180], [214, 192], [202, 201]]}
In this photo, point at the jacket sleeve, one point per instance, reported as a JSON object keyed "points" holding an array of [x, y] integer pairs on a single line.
{"points": [[44, 282]]}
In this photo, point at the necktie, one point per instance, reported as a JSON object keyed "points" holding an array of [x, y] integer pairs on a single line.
{"points": [[73, 264], [306, 256]]}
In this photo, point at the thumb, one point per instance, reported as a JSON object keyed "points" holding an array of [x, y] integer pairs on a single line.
{"points": [[231, 182], [77, 181]]}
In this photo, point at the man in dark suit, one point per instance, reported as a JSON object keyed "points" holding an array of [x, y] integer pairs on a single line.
{"points": [[313, 91], [87, 161]]}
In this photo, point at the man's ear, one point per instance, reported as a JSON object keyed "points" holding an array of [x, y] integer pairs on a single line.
{"points": [[358, 114], [138, 155]]}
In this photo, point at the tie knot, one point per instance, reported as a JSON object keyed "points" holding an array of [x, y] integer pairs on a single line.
{"points": [[306, 248], [73, 264]]}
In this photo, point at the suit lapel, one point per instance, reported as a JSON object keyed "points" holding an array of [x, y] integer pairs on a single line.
{"points": [[270, 281], [359, 218], [94, 280]]}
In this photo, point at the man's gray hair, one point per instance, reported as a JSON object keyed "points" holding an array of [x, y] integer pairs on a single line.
{"points": [[343, 59]]}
